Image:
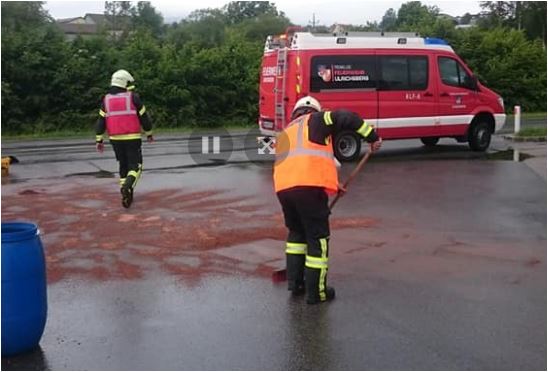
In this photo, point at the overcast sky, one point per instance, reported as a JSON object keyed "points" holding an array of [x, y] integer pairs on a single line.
{"points": [[299, 12]]}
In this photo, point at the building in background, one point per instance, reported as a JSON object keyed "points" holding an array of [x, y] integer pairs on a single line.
{"points": [[90, 25]]}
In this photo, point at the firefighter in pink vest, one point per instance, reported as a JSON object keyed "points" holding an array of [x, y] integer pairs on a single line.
{"points": [[122, 115]]}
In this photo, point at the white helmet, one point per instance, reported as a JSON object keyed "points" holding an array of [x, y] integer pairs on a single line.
{"points": [[122, 79], [307, 102]]}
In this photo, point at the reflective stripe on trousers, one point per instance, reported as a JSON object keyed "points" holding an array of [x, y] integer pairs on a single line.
{"points": [[322, 264], [136, 175], [295, 248]]}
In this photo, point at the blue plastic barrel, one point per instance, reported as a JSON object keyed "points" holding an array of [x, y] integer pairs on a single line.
{"points": [[24, 297]]}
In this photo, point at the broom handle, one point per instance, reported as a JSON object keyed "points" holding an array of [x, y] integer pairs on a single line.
{"points": [[350, 178]]}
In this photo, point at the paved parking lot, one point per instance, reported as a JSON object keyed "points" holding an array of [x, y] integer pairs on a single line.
{"points": [[438, 258]]}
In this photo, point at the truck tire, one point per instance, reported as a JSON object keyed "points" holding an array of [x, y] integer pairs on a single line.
{"points": [[430, 141], [347, 146], [479, 136]]}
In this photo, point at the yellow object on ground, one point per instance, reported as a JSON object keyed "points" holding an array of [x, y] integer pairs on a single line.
{"points": [[6, 161]]}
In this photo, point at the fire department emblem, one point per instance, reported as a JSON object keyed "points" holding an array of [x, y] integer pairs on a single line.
{"points": [[324, 73]]}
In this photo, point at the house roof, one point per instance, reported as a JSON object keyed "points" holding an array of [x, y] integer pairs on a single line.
{"points": [[82, 29], [97, 18], [91, 23], [67, 20]]}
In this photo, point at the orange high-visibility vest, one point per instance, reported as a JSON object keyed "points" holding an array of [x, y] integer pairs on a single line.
{"points": [[300, 162]]}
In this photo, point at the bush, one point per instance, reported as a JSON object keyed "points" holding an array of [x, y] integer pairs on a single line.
{"points": [[204, 71], [508, 63]]}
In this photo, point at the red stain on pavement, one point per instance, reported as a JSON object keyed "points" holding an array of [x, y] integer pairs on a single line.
{"points": [[90, 235], [127, 270], [28, 192], [533, 262], [97, 258]]}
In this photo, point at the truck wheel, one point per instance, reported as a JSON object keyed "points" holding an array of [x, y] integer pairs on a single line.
{"points": [[347, 146], [479, 136], [430, 141]]}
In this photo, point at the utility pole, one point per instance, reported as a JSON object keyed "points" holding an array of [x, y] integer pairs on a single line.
{"points": [[314, 21]]}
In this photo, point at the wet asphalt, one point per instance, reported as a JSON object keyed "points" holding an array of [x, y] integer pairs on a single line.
{"points": [[449, 275]]}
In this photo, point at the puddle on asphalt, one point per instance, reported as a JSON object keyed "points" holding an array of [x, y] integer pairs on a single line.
{"points": [[212, 164], [511, 154], [10, 179], [29, 192], [97, 174]]}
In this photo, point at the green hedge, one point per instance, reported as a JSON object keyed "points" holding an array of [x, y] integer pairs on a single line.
{"points": [[203, 71]]}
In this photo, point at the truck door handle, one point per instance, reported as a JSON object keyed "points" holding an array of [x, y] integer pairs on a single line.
{"points": [[444, 94], [428, 94]]}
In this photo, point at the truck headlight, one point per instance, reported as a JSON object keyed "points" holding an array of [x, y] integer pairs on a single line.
{"points": [[501, 102]]}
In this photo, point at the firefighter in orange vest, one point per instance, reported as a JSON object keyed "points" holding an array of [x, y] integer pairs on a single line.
{"points": [[122, 115], [304, 175]]}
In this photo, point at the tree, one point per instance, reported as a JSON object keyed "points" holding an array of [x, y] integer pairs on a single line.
{"points": [[201, 14], [497, 57], [500, 12], [367, 27], [90, 63], [258, 28], [442, 28], [412, 15], [17, 15], [534, 19], [118, 15], [465, 19], [205, 28], [145, 16], [224, 81], [33, 51], [527, 15], [238, 11], [204, 72], [389, 20]]}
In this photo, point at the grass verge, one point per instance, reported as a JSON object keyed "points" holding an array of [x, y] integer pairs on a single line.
{"points": [[532, 132]]}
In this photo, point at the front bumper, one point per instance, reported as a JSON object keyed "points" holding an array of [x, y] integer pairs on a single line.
{"points": [[500, 119]]}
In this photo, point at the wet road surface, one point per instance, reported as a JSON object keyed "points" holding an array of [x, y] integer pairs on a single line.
{"points": [[438, 257]]}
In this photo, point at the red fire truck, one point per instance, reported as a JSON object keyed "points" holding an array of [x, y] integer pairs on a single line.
{"points": [[406, 86]]}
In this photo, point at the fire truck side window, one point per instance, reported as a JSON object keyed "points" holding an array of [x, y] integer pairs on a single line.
{"points": [[332, 73], [403, 73], [452, 73]]}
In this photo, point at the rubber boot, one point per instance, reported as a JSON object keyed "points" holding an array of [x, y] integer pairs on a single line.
{"points": [[295, 273], [313, 295], [127, 192], [127, 197]]}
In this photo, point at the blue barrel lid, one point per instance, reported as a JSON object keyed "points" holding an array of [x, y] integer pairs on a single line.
{"points": [[17, 231]]}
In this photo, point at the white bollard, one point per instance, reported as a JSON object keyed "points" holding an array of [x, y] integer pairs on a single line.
{"points": [[516, 155], [517, 119]]}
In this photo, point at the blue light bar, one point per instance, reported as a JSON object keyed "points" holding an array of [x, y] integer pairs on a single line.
{"points": [[434, 41]]}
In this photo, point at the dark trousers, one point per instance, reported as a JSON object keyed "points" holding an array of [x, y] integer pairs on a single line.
{"points": [[130, 158], [306, 214]]}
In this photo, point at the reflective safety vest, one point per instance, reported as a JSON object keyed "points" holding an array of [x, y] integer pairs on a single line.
{"points": [[300, 162], [121, 116]]}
